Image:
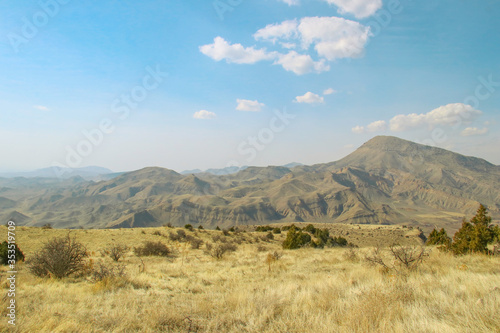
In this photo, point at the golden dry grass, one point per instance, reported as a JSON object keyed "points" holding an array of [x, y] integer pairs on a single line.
{"points": [[307, 290]]}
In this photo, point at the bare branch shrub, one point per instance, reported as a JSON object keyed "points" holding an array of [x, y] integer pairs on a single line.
{"points": [[406, 257], [152, 249], [179, 236], [101, 271], [217, 251], [115, 252], [195, 243], [59, 257], [351, 255]]}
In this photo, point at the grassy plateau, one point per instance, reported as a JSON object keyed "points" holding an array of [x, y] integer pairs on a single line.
{"points": [[259, 287]]}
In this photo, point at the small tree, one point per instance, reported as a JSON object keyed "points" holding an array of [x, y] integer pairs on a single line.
{"points": [[60, 257], [475, 235], [439, 238]]}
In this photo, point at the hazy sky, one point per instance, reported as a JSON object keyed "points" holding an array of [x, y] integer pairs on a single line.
{"points": [[200, 84]]}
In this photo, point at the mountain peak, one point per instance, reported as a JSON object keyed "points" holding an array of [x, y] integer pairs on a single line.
{"points": [[387, 143]]}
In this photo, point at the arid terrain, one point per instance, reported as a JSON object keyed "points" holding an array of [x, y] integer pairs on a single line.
{"points": [[258, 288], [387, 181]]}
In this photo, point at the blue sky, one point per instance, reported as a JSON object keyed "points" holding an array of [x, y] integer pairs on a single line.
{"points": [[261, 82]]}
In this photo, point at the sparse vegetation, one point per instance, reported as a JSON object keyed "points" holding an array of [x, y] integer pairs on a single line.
{"points": [[179, 236], [59, 257], [218, 250], [272, 290], [297, 238], [115, 252], [100, 271], [150, 248], [401, 258]]}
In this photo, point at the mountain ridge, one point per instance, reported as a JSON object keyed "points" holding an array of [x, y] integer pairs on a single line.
{"points": [[387, 180]]}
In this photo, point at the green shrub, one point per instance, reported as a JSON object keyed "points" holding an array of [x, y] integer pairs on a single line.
{"points": [[296, 239], [263, 228], [276, 231], [10, 252], [188, 227], [310, 229]]}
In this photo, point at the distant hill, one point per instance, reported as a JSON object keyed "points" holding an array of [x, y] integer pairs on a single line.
{"points": [[230, 170], [386, 181], [88, 173]]}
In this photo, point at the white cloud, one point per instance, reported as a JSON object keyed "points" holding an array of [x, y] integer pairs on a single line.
{"points": [[472, 131], [309, 98], [358, 129], [334, 37], [301, 64], [331, 37], [291, 2], [273, 32], [236, 53], [247, 105], [41, 107], [376, 126], [359, 8], [204, 114], [329, 91], [288, 45], [451, 114]]}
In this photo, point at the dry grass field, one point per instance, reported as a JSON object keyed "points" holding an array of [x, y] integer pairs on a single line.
{"points": [[305, 290]]}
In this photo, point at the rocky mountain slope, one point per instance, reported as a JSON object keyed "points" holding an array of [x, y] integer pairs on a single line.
{"points": [[386, 181]]}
